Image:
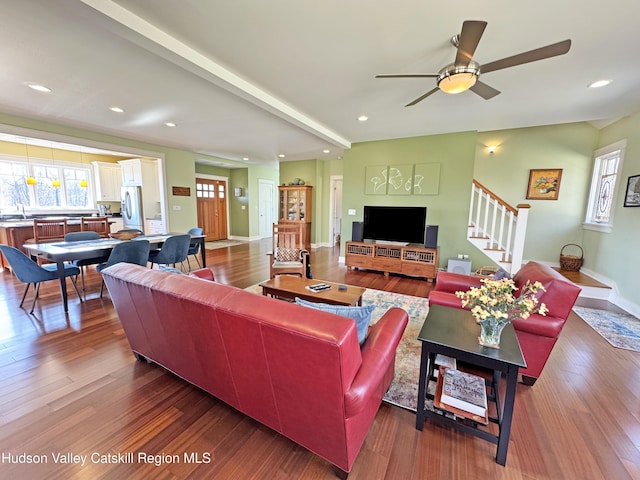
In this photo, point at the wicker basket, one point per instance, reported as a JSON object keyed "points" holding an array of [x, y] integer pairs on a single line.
{"points": [[571, 263]]}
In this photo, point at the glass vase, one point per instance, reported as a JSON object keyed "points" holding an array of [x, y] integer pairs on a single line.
{"points": [[490, 331]]}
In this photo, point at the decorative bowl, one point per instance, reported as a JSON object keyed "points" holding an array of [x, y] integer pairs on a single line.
{"points": [[124, 235]]}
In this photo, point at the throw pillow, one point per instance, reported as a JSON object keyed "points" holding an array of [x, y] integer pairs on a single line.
{"points": [[361, 315]]}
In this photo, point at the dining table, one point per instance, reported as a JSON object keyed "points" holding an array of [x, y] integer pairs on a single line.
{"points": [[61, 252]]}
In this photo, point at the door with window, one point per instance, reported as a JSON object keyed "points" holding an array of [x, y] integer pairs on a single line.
{"points": [[211, 198]]}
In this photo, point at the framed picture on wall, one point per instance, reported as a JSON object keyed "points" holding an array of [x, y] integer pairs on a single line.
{"points": [[632, 197], [544, 184]]}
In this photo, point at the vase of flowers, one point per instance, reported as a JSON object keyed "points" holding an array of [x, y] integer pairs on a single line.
{"points": [[494, 305]]}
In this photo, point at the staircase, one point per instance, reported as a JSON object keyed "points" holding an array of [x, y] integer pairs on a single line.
{"points": [[496, 228]]}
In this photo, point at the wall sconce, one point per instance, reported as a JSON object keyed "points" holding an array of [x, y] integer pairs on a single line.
{"points": [[239, 192], [492, 148]]}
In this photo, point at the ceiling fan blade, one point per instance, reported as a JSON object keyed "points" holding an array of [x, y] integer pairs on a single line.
{"points": [[541, 53], [407, 75], [484, 90], [470, 36], [419, 99]]}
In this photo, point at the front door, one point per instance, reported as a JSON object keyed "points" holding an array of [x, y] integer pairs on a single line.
{"points": [[211, 197]]}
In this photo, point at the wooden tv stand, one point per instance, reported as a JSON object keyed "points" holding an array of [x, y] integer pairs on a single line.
{"points": [[413, 259]]}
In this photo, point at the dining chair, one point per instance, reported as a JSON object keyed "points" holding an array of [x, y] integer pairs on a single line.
{"points": [[173, 250], [130, 251], [288, 255], [49, 230], [82, 263], [95, 224], [194, 246], [29, 272]]}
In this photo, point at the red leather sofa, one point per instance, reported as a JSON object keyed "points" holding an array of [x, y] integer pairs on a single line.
{"points": [[297, 370], [537, 334]]}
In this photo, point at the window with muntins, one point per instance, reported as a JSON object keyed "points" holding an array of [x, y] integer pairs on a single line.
{"points": [[57, 186], [604, 186]]}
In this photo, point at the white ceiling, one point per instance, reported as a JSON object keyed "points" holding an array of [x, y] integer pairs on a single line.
{"points": [[261, 78]]}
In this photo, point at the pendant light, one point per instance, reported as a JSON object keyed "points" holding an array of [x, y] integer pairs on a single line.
{"points": [[30, 178], [55, 182], [83, 182]]}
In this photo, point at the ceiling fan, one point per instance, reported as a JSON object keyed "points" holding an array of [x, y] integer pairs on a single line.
{"points": [[463, 73]]}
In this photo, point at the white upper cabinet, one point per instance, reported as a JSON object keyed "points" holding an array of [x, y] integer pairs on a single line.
{"points": [[108, 181]]}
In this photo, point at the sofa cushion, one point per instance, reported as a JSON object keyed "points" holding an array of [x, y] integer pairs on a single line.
{"points": [[361, 315]]}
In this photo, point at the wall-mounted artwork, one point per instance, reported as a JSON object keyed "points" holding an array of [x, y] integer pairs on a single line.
{"points": [[376, 180], [544, 184], [400, 180], [419, 179], [632, 197], [426, 179]]}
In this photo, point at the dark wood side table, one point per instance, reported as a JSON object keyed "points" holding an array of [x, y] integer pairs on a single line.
{"points": [[454, 332]]}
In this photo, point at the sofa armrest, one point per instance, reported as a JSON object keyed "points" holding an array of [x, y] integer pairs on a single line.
{"points": [[378, 352], [453, 282], [445, 299], [203, 273], [540, 325]]}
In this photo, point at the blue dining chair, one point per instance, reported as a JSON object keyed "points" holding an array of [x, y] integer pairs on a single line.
{"points": [[174, 250], [28, 271], [130, 251], [80, 237], [194, 246]]}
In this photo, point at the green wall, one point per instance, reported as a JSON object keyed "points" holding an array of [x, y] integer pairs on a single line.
{"points": [[615, 254], [449, 209], [552, 223]]}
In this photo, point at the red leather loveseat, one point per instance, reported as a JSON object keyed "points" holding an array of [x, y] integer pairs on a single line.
{"points": [[297, 370], [537, 334]]}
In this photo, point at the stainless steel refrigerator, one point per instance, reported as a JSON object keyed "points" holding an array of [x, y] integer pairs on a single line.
{"points": [[131, 208]]}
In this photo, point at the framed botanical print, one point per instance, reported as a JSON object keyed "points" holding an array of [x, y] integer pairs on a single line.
{"points": [[544, 184]]}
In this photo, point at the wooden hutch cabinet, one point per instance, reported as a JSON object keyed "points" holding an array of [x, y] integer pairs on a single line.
{"points": [[294, 206]]}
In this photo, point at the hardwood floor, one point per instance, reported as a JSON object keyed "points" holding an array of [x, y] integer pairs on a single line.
{"points": [[69, 384]]}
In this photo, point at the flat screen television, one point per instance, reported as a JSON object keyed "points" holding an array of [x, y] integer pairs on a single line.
{"points": [[394, 224]]}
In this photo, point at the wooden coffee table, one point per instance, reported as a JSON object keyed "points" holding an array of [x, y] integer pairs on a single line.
{"points": [[289, 286]]}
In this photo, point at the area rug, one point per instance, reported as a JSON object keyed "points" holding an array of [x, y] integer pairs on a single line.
{"points": [[622, 330], [403, 391], [221, 244]]}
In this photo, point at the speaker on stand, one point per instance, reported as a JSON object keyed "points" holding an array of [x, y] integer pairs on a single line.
{"points": [[357, 231], [431, 237]]}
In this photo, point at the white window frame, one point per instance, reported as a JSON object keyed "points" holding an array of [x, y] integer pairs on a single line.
{"points": [[59, 165], [599, 157]]}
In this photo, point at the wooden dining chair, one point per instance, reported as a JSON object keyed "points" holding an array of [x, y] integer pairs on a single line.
{"points": [[288, 255], [96, 224], [49, 230]]}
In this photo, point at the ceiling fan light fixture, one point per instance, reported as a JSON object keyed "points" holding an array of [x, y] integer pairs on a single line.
{"points": [[458, 78]]}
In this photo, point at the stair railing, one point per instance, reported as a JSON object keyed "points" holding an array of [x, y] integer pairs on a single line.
{"points": [[502, 225]]}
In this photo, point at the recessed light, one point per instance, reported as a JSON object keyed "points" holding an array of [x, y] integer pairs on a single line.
{"points": [[39, 88], [116, 109], [363, 118], [281, 155], [170, 124], [246, 159], [326, 150], [600, 83]]}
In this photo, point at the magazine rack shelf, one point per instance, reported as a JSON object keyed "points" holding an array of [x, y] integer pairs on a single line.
{"points": [[413, 260], [453, 332]]}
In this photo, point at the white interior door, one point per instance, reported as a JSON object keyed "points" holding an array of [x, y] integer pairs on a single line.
{"points": [[266, 207]]}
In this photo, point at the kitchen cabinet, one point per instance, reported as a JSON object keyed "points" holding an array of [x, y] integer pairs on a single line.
{"points": [[154, 227], [108, 177]]}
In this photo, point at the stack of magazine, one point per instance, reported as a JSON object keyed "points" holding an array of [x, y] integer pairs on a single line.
{"points": [[462, 394]]}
